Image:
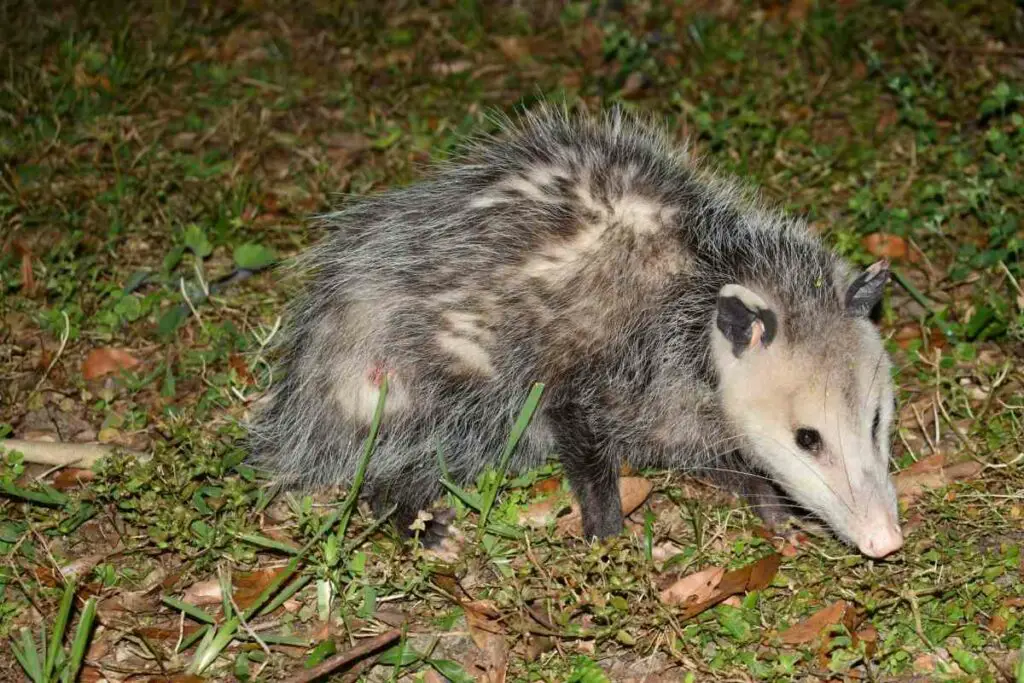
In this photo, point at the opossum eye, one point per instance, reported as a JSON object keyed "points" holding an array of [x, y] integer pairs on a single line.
{"points": [[875, 424], [808, 439]]}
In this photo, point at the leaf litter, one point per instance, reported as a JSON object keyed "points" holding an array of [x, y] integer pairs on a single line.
{"points": [[593, 599]]}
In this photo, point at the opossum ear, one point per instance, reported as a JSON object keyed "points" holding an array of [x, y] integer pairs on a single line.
{"points": [[744, 319], [866, 291]]}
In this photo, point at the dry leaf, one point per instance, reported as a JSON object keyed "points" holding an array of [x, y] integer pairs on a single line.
{"points": [[248, 587], [633, 491], [203, 593], [106, 360], [887, 118], [433, 677], [634, 85], [869, 635], [512, 47], [546, 487], [997, 624], [71, 477], [90, 674], [815, 625], [241, 369], [796, 12], [541, 513], [705, 589], [698, 587], [884, 245], [932, 473], [482, 618], [83, 565]]}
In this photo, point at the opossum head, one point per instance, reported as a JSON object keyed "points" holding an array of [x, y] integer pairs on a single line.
{"points": [[812, 401]]}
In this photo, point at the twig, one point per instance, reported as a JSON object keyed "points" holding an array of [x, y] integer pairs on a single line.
{"points": [[63, 342], [188, 301], [245, 624], [956, 432], [347, 657], [58, 454]]}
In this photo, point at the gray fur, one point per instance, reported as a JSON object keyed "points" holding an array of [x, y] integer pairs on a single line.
{"points": [[586, 253]]}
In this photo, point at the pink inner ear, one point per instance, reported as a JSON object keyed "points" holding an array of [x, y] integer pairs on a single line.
{"points": [[756, 332]]}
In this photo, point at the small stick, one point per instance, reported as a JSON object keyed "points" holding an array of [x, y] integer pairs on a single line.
{"points": [[58, 454], [338, 661], [63, 342]]}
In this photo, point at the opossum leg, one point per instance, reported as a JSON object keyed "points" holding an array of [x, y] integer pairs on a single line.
{"points": [[593, 475], [765, 497]]}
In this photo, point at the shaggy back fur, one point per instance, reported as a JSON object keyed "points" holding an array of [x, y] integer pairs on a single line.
{"points": [[586, 253]]}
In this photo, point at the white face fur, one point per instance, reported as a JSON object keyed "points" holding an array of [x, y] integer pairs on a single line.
{"points": [[817, 422]]}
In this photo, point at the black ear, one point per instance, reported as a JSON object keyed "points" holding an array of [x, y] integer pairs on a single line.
{"points": [[744, 319], [866, 291]]}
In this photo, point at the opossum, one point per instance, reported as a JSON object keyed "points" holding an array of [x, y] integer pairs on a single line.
{"points": [[676, 320]]}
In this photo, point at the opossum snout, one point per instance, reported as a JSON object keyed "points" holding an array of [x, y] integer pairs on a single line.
{"points": [[879, 538]]}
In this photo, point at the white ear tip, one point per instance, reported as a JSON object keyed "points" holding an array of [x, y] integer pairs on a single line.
{"points": [[749, 298]]}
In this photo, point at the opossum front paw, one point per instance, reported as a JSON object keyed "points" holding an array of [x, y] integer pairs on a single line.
{"points": [[771, 505], [602, 524], [436, 529]]}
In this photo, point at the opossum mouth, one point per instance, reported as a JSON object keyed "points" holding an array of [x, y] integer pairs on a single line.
{"points": [[875, 541]]}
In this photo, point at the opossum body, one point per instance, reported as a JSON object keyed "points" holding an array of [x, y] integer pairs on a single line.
{"points": [[675, 321]]}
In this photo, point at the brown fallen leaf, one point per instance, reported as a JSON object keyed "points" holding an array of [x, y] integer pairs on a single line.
{"points": [[932, 473], [513, 47], [633, 86], [869, 636], [885, 245], [71, 477], [541, 513], [238, 364], [483, 620], [699, 587], [546, 487], [796, 11], [249, 586], [633, 491], [90, 674], [997, 624], [705, 589], [203, 593], [886, 119], [815, 625], [106, 360]]}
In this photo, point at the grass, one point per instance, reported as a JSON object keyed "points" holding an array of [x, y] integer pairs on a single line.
{"points": [[155, 160]]}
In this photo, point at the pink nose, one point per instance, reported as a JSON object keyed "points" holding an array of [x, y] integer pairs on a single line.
{"points": [[881, 541]]}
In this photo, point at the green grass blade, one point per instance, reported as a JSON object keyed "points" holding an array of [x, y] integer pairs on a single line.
{"points": [[276, 639], [191, 610], [352, 498], [292, 588], [220, 641], [224, 580], [264, 542], [472, 500], [60, 625], [187, 641], [28, 657], [82, 636], [50, 498], [518, 429]]}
